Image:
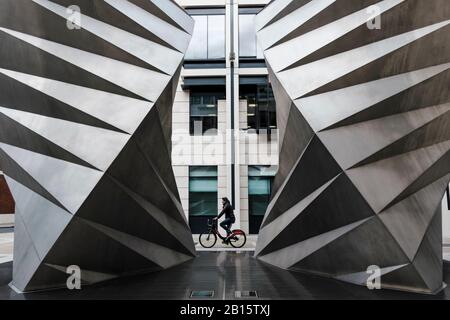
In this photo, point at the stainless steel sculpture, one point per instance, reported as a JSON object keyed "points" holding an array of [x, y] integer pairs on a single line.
{"points": [[364, 118], [85, 125]]}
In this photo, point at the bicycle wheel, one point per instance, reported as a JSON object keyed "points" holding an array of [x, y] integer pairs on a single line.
{"points": [[207, 240], [239, 239]]}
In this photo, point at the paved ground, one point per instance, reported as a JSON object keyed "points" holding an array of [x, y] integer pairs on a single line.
{"points": [[222, 269], [249, 245], [223, 272]]}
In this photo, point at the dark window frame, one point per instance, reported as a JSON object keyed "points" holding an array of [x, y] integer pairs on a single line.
{"points": [[198, 222], [253, 60], [213, 11], [255, 220], [218, 93], [270, 119]]}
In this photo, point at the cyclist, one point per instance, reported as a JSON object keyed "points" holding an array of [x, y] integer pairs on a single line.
{"points": [[227, 210]]}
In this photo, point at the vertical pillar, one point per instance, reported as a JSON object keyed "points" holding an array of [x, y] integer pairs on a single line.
{"points": [[232, 79]]}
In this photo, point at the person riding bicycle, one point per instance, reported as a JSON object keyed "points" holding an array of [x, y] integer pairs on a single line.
{"points": [[227, 210]]}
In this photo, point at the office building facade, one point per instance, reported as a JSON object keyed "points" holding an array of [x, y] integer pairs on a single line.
{"points": [[224, 141], [225, 69]]}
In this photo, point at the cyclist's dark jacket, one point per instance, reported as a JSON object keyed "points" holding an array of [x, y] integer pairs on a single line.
{"points": [[227, 211]]}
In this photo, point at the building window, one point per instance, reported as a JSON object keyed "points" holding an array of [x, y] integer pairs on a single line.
{"points": [[248, 46], [208, 38], [203, 111], [260, 180], [202, 196], [261, 109]]}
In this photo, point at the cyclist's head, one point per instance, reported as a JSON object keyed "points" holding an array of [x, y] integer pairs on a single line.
{"points": [[225, 200]]}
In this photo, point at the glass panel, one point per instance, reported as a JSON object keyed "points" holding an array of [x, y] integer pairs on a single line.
{"points": [[202, 184], [262, 171], [200, 126], [203, 171], [261, 110], [203, 204], [247, 35], [259, 51], [203, 105], [258, 204], [272, 112], [216, 37], [259, 186], [203, 191], [259, 189], [198, 48], [203, 112]]}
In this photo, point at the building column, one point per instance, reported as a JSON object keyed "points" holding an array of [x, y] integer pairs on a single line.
{"points": [[232, 79]]}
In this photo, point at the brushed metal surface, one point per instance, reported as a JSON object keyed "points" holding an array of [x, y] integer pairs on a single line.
{"points": [[85, 138], [364, 120]]}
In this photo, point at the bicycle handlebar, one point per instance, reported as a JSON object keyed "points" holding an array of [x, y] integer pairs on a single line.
{"points": [[210, 222]]}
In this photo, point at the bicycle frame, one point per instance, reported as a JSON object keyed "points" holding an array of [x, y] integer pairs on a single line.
{"points": [[213, 228], [234, 239]]}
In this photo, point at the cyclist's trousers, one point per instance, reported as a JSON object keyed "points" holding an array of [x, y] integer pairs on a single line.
{"points": [[226, 224]]}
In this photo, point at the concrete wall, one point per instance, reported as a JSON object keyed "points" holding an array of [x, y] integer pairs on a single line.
{"points": [[445, 221]]}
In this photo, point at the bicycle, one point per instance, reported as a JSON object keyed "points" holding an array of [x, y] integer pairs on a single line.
{"points": [[209, 239]]}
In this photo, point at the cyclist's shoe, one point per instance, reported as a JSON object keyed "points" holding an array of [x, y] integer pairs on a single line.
{"points": [[227, 239]]}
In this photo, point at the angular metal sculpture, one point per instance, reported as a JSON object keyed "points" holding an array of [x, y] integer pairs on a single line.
{"points": [[364, 118], [85, 125]]}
